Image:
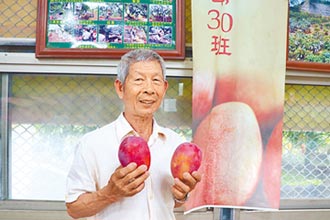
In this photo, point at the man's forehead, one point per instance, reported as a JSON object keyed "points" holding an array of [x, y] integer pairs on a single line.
{"points": [[146, 67]]}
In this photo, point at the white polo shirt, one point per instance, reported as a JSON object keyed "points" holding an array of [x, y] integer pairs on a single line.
{"points": [[97, 158]]}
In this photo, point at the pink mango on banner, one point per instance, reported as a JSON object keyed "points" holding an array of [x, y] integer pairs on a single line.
{"points": [[259, 93], [230, 139]]}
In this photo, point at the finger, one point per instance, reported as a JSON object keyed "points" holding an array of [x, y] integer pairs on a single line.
{"points": [[197, 175], [191, 179], [123, 171], [188, 178], [178, 193], [136, 174], [136, 182], [181, 186], [135, 190], [136, 185]]}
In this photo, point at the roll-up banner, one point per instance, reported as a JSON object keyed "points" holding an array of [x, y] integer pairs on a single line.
{"points": [[239, 61]]}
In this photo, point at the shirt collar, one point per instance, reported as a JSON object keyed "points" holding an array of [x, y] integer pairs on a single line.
{"points": [[124, 129]]}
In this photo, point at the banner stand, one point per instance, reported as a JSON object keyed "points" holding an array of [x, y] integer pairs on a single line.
{"points": [[226, 214]]}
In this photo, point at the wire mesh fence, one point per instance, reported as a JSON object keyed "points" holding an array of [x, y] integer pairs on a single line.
{"points": [[18, 18], [48, 114], [306, 142]]}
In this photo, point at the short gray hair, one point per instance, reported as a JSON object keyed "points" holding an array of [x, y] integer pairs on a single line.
{"points": [[135, 56]]}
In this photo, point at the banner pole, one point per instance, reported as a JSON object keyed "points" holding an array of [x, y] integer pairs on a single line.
{"points": [[226, 214]]}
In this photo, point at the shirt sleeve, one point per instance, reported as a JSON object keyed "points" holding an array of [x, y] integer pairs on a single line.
{"points": [[80, 178]]}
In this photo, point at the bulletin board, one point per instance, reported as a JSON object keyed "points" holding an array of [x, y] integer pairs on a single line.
{"points": [[109, 28]]}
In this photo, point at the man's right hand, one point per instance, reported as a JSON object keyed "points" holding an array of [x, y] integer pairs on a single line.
{"points": [[127, 181]]}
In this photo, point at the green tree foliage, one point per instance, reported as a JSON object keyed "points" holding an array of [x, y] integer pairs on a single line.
{"points": [[309, 38]]}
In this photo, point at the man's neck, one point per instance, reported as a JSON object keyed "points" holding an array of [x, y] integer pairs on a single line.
{"points": [[142, 125]]}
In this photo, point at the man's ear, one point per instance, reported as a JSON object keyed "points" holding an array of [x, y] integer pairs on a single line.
{"points": [[166, 85], [119, 88]]}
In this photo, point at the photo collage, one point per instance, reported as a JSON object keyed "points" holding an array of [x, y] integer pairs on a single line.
{"points": [[111, 24]]}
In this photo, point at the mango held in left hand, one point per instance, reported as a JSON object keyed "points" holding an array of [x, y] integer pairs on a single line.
{"points": [[134, 149], [186, 158]]}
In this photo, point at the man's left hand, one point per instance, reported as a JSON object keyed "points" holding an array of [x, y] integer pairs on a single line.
{"points": [[182, 187]]}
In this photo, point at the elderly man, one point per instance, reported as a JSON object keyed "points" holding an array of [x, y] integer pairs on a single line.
{"points": [[98, 186]]}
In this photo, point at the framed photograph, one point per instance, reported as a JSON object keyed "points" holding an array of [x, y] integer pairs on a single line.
{"points": [[109, 28], [309, 35]]}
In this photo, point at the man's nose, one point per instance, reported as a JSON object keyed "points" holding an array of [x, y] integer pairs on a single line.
{"points": [[149, 87]]}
